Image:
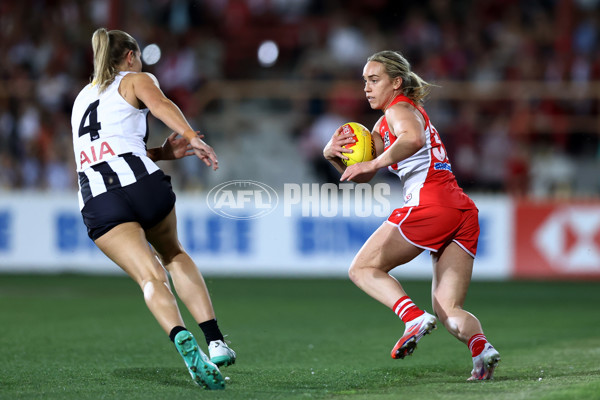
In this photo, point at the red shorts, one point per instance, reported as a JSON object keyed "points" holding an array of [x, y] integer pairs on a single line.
{"points": [[433, 227]]}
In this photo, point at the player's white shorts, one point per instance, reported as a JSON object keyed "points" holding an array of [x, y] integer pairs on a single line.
{"points": [[433, 227]]}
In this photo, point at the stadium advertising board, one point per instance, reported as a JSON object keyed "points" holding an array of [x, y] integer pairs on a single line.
{"points": [[284, 242], [557, 240]]}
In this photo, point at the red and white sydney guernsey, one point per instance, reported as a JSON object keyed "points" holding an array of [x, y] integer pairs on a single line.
{"points": [[109, 140], [426, 176]]}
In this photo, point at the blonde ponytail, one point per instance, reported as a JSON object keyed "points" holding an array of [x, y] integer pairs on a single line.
{"points": [[110, 48], [396, 66], [418, 89], [104, 73]]}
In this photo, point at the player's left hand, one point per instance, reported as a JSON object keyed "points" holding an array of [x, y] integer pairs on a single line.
{"points": [[176, 147], [359, 169]]}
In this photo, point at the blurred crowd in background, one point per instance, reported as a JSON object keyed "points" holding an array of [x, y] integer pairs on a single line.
{"points": [[480, 53]]}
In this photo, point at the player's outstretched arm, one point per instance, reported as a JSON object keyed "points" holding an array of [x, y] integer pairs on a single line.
{"points": [[146, 89]]}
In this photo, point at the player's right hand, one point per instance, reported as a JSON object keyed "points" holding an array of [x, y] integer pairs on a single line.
{"points": [[204, 152], [335, 147]]}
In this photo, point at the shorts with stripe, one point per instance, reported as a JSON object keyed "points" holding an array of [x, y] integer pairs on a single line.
{"points": [[433, 227], [147, 201]]}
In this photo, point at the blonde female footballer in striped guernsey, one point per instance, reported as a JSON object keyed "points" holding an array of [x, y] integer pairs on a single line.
{"points": [[126, 200], [436, 214]]}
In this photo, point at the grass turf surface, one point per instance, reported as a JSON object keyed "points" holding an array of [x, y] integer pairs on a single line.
{"points": [[88, 337]]}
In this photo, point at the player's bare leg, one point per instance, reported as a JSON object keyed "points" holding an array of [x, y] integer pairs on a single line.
{"points": [[452, 268], [382, 252], [126, 245], [190, 285], [187, 280], [451, 278]]}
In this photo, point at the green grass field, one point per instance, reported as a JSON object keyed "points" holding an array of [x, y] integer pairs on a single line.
{"points": [[86, 337]]}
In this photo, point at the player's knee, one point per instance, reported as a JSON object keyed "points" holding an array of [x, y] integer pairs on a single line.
{"points": [[352, 273], [356, 273]]}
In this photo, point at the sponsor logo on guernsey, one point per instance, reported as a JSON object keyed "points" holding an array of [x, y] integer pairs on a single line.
{"points": [[442, 166], [386, 139], [95, 154]]}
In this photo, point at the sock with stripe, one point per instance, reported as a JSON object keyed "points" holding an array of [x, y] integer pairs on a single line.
{"points": [[406, 309], [477, 344]]}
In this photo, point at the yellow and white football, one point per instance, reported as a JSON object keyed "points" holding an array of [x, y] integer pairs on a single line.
{"points": [[364, 149]]}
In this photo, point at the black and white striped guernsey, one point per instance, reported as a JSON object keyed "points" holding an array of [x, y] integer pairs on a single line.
{"points": [[109, 140]]}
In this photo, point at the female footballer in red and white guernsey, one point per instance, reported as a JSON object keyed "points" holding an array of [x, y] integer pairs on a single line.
{"points": [[127, 202], [436, 214]]}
